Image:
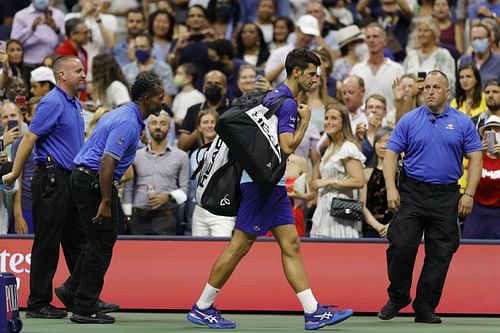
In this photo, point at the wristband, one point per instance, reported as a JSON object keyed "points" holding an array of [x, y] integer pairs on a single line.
{"points": [[469, 195]]}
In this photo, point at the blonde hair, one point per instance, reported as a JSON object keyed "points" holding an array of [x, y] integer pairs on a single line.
{"points": [[101, 111], [202, 114], [346, 133]]}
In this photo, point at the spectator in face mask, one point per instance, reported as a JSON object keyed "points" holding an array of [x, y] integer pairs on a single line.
{"points": [[215, 89], [146, 62], [487, 61], [184, 77]]}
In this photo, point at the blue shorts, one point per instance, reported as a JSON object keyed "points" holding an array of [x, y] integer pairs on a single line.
{"points": [[258, 212]]}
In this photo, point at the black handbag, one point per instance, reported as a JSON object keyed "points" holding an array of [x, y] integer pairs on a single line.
{"points": [[347, 209]]}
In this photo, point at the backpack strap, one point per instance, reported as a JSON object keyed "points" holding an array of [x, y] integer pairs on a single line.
{"points": [[276, 106], [202, 162]]}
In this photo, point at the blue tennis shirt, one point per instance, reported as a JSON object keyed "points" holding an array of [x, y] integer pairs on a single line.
{"points": [[116, 134], [59, 125], [434, 146]]}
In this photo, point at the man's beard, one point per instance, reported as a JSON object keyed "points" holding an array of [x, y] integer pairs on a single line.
{"points": [[158, 137]]}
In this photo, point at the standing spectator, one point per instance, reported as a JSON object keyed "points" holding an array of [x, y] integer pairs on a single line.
{"points": [[374, 195], [101, 162], [487, 61], [260, 212], [318, 100], [12, 63], [395, 18], [56, 140], [484, 9], [378, 72], [16, 87], [145, 62], [282, 28], [250, 8], [264, 19], [42, 81], [102, 26], [428, 198], [482, 222], [353, 49], [214, 90], [161, 28], [109, 86], [340, 174], [40, 28], [204, 223], [124, 50], [251, 46], [353, 90], [224, 16], [468, 95], [9, 111], [376, 110], [450, 33], [184, 77], [160, 172], [77, 35], [428, 55], [407, 95]]}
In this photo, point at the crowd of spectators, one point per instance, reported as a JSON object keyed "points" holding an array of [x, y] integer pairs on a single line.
{"points": [[374, 56]]}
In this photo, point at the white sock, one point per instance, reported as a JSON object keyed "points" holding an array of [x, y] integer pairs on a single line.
{"points": [[207, 297], [308, 301]]}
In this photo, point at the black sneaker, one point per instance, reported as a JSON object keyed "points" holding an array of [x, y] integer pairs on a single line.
{"points": [[65, 296], [96, 318], [104, 307], [427, 318], [391, 309], [46, 312]]}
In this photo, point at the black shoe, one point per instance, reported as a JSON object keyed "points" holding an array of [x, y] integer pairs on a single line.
{"points": [[65, 296], [96, 318], [391, 309], [104, 307], [427, 318], [46, 312]]}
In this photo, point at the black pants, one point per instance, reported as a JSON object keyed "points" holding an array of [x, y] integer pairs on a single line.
{"points": [[87, 280], [430, 210], [56, 223]]}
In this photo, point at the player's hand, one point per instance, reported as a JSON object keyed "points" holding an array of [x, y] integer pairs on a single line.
{"points": [[103, 212], [9, 178], [465, 205], [304, 112], [393, 200]]}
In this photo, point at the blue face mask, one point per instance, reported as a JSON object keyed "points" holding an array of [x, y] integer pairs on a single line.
{"points": [[41, 4], [142, 55], [480, 45]]}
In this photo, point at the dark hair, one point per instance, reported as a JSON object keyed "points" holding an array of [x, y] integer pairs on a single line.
{"points": [[263, 49], [289, 24], [71, 25], [145, 85], [222, 47], [190, 69], [18, 42], [203, 9], [171, 19], [51, 85], [492, 82], [212, 11], [460, 94], [300, 58], [105, 70], [136, 11], [147, 36]]}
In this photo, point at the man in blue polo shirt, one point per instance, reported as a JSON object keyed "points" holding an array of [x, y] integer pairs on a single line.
{"points": [[56, 132], [434, 138], [260, 212], [103, 160]]}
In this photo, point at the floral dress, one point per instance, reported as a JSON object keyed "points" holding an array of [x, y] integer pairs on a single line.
{"points": [[325, 225]]}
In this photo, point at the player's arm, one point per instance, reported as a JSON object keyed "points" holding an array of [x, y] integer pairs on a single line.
{"points": [[288, 140]]}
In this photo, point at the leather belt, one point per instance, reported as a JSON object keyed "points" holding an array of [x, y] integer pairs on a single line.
{"points": [[153, 213], [86, 170], [432, 187]]}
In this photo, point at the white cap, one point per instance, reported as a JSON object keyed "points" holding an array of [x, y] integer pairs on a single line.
{"points": [[308, 25], [42, 73]]}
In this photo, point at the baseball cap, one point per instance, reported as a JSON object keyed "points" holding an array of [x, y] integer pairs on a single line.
{"points": [[42, 73], [308, 25]]}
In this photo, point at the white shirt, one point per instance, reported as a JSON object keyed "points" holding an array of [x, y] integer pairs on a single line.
{"points": [[116, 95], [276, 59], [380, 82], [184, 100]]}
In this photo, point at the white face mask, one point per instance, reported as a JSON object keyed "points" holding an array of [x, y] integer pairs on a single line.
{"points": [[361, 51]]}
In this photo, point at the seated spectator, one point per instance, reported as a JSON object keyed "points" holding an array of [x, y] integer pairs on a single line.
{"points": [[146, 62], [282, 28], [12, 64], [482, 222], [376, 110], [161, 28], [450, 33], [250, 45], [374, 194], [161, 175], [214, 90], [109, 86], [264, 19], [204, 223], [482, 56], [339, 174], [184, 77], [221, 56], [40, 28], [42, 81]]}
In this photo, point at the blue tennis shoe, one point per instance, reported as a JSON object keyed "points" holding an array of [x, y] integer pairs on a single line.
{"points": [[210, 317], [325, 316]]}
